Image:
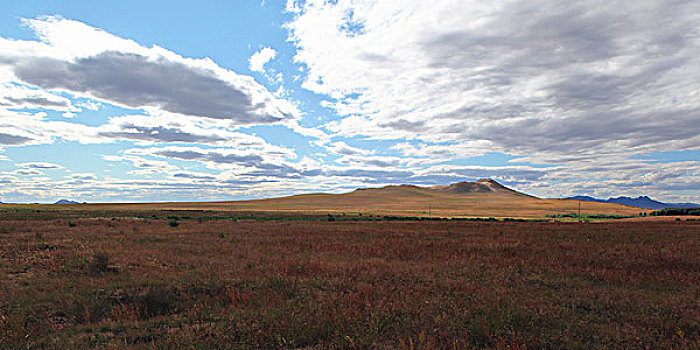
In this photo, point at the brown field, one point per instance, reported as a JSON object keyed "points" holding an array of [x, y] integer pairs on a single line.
{"points": [[101, 279], [660, 218]]}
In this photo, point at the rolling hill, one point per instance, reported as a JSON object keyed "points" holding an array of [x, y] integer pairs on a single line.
{"points": [[483, 198]]}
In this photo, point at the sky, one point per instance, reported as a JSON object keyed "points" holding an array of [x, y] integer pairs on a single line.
{"points": [[140, 101]]}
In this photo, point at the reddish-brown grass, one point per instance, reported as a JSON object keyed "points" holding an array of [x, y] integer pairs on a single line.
{"points": [[141, 283]]}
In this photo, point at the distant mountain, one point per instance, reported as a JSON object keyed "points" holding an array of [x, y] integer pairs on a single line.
{"points": [[65, 201], [587, 199], [643, 202], [483, 186]]}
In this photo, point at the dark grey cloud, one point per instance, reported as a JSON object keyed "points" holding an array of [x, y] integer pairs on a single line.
{"points": [[193, 176], [137, 81], [405, 125], [39, 165], [7, 139], [254, 164], [158, 133], [680, 186], [240, 159], [345, 150], [28, 172], [85, 177], [381, 162], [610, 131], [283, 171], [593, 107], [35, 102]]}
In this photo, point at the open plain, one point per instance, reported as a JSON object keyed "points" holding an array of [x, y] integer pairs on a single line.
{"points": [[173, 279]]}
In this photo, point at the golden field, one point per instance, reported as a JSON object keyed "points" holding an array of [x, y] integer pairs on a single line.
{"points": [[484, 198]]}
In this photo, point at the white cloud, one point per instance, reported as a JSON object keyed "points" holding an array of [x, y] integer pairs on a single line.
{"points": [[460, 150], [524, 77], [20, 129], [579, 87], [91, 63], [259, 59], [90, 105]]}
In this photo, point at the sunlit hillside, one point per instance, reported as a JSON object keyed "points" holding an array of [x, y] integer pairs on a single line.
{"points": [[483, 198]]}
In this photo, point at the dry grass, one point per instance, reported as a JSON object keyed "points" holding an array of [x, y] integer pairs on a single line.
{"points": [[393, 200], [141, 283]]}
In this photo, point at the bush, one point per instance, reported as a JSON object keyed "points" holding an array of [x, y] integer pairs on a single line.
{"points": [[99, 264], [157, 301], [173, 223]]}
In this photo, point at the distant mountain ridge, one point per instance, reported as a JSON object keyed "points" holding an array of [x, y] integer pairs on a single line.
{"points": [[643, 202], [65, 201]]}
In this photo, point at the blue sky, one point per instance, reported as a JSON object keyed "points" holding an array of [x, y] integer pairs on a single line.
{"points": [[221, 100]]}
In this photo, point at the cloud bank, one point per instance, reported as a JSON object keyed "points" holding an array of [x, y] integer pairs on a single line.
{"points": [[538, 78]]}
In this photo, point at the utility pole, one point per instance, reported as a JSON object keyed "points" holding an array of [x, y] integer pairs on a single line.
{"points": [[579, 211]]}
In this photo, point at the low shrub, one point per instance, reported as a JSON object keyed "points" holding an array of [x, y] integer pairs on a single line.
{"points": [[159, 300], [99, 264]]}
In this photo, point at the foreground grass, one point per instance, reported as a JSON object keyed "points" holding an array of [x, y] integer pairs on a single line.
{"points": [[146, 283]]}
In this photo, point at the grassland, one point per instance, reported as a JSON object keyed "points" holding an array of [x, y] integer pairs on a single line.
{"points": [[402, 200], [164, 279]]}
